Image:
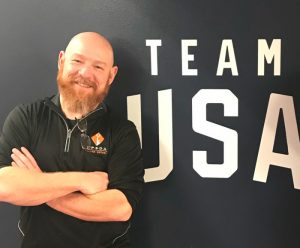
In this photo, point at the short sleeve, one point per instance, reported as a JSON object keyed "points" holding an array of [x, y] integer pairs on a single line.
{"points": [[125, 168], [15, 134]]}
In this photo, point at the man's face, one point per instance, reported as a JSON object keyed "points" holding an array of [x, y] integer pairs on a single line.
{"points": [[84, 76]]}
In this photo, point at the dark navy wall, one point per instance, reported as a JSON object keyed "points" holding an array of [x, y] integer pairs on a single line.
{"points": [[185, 210]]}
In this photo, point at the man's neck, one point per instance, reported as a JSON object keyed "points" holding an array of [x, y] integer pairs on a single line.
{"points": [[72, 115]]}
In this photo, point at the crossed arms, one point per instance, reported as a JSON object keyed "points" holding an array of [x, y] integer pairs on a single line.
{"points": [[83, 195]]}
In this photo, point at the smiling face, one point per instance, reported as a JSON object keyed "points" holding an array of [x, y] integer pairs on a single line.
{"points": [[85, 73]]}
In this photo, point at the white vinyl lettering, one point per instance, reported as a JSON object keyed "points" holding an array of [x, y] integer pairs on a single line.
{"points": [[134, 113], [223, 64], [266, 156], [264, 52], [153, 44], [186, 57], [215, 131], [165, 127]]}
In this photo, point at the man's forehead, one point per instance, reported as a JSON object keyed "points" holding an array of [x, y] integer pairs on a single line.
{"points": [[93, 48], [81, 47]]}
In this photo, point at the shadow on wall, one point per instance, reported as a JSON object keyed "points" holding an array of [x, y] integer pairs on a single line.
{"points": [[129, 77]]}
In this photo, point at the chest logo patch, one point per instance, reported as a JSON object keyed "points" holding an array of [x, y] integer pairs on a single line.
{"points": [[97, 139]]}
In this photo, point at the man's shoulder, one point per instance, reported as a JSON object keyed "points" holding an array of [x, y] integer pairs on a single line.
{"points": [[123, 130], [119, 123], [29, 109], [31, 105]]}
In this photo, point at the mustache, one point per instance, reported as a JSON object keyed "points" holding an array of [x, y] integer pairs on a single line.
{"points": [[81, 80]]}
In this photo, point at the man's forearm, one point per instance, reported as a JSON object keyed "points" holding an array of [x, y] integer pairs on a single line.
{"points": [[109, 205], [28, 188]]}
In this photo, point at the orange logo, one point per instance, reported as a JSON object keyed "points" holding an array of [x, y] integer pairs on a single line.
{"points": [[97, 139]]}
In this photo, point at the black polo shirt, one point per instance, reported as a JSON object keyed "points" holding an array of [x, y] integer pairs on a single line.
{"points": [[56, 145]]}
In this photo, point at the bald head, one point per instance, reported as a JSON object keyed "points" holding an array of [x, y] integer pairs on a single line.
{"points": [[85, 72], [91, 44]]}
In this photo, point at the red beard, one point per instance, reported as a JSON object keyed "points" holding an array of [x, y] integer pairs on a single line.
{"points": [[75, 102]]}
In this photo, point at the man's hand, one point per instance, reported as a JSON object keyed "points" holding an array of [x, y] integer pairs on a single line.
{"points": [[94, 182], [23, 159]]}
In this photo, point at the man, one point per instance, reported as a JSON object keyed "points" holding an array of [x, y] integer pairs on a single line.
{"points": [[75, 169]]}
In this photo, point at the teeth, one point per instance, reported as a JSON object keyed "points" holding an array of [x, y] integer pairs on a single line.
{"points": [[84, 85]]}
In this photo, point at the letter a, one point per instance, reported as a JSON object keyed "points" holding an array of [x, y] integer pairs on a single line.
{"points": [[266, 156]]}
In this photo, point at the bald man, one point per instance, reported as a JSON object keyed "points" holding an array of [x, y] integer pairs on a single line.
{"points": [[74, 168]]}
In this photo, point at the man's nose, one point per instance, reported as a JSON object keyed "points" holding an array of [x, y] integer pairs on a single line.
{"points": [[86, 72]]}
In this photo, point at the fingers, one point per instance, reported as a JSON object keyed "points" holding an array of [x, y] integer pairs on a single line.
{"points": [[23, 159], [93, 182], [103, 180], [101, 173], [19, 159], [14, 164]]}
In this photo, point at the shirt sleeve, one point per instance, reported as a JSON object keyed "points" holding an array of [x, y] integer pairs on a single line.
{"points": [[125, 168], [14, 134]]}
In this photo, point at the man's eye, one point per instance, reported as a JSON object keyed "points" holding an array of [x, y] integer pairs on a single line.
{"points": [[76, 60], [98, 67]]}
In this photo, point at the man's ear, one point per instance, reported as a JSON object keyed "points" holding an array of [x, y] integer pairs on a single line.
{"points": [[112, 74], [61, 57]]}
